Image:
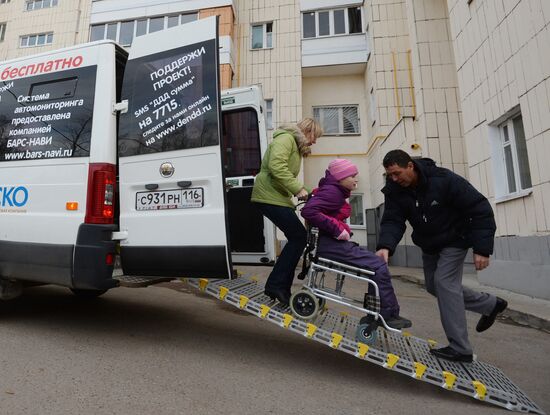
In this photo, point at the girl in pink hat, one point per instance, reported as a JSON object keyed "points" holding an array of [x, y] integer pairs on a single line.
{"points": [[327, 210]]}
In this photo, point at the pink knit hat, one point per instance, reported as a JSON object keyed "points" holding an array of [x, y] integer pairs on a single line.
{"points": [[342, 168]]}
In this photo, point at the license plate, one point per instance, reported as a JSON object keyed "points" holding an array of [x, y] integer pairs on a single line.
{"points": [[170, 199]]}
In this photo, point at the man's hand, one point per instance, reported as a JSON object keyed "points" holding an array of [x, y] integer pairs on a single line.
{"points": [[302, 194], [384, 254], [344, 236], [481, 262]]}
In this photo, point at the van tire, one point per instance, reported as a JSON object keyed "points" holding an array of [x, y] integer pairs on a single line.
{"points": [[87, 294]]}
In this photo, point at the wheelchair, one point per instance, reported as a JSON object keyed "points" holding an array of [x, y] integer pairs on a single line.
{"points": [[324, 281]]}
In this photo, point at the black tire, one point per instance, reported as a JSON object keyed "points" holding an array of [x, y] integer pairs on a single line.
{"points": [[367, 333], [87, 294], [304, 305]]}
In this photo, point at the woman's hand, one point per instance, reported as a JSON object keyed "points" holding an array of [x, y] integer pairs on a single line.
{"points": [[302, 194]]}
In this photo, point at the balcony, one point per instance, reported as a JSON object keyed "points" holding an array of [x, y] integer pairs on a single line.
{"points": [[335, 50]]}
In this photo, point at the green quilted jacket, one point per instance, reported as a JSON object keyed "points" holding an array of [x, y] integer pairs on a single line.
{"points": [[276, 183]]}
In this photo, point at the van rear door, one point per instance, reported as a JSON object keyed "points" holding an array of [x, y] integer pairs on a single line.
{"points": [[172, 197], [244, 141]]}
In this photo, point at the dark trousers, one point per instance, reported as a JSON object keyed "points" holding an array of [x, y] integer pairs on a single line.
{"points": [[287, 221], [443, 274], [348, 252]]}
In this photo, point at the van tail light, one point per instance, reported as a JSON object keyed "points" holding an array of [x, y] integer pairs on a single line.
{"points": [[100, 204]]}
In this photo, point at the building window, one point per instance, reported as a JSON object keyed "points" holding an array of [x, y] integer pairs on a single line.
{"points": [[323, 23], [514, 153], [340, 120], [2, 31], [39, 4], [269, 114], [125, 32], [357, 218], [262, 36], [40, 39]]}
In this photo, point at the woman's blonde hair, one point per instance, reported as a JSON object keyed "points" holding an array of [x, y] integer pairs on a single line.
{"points": [[308, 125]]}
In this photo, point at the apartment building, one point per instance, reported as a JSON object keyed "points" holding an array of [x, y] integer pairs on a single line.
{"points": [[34, 26], [464, 82]]}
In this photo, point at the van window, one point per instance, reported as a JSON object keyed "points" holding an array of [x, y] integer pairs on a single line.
{"points": [[172, 101], [47, 116], [241, 143]]}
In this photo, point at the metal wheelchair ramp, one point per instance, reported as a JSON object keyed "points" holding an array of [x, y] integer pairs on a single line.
{"points": [[401, 353]]}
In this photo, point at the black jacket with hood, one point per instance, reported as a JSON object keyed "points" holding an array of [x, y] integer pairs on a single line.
{"points": [[444, 210]]}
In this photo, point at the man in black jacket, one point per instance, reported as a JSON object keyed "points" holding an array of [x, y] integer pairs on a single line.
{"points": [[448, 216]]}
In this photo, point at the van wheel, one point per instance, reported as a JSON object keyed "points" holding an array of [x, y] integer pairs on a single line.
{"points": [[87, 294]]}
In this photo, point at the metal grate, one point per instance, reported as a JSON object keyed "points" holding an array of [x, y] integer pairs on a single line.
{"points": [[401, 353]]}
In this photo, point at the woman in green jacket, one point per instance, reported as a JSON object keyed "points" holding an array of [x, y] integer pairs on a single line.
{"points": [[274, 188]]}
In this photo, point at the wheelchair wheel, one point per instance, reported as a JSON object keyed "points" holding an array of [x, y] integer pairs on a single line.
{"points": [[304, 305], [322, 303], [367, 331]]}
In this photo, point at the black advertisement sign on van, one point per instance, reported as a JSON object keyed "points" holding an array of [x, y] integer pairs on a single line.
{"points": [[172, 100], [47, 116]]}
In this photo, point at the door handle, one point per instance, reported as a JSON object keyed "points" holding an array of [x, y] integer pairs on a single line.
{"points": [[185, 183], [152, 186]]}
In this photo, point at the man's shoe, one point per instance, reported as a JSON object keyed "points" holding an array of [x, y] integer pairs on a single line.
{"points": [[398, 322], [487, 321], [282, 296], [448, 353]]}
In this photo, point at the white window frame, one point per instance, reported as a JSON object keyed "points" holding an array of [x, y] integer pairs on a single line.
{"points": [[3, 27], [500, 168], [52, 3], [348, 220], [340, 109], [264, 35], [269, 111], [331, 22], [147, 25], [47, 41]]}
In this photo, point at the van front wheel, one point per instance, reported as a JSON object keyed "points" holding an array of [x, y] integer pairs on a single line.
{"points": [[87, 294]]}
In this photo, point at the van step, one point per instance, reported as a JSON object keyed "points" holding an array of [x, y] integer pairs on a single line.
{"points": [[132, 281]]}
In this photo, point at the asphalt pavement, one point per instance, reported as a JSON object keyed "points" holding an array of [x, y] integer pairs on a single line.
{"points": [[168, 349]]}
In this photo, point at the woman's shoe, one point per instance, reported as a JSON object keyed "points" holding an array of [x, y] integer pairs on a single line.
{"points": [[282, 296]]}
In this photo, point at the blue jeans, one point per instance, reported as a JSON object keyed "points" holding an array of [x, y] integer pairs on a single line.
{"points": [[287, 221]]}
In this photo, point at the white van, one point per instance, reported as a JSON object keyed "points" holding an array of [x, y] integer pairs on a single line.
{"points": [[102, 154]]}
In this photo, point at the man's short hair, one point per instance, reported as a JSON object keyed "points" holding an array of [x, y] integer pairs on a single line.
{"points": [[399, 157]]}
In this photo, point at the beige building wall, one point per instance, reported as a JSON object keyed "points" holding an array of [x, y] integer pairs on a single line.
{"points": [[69, 22], [277, 69], [503, 65]]}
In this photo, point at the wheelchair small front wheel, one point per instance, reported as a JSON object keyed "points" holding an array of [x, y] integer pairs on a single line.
{"points": [[367, 333], [304, 305]]}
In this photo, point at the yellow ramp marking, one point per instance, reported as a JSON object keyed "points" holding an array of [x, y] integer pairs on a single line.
{"points": [[243, 300], [287, 319], [223, 292], [336, 340], [481, 390], [254, 278], [311, 329], [264, 310], [406, 333], [362, 350], [391, 360], [419, 370], [432, 343], [203, 282], [450, 379]]}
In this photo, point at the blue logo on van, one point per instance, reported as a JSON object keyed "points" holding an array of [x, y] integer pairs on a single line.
{"points": [[13, 196]]}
